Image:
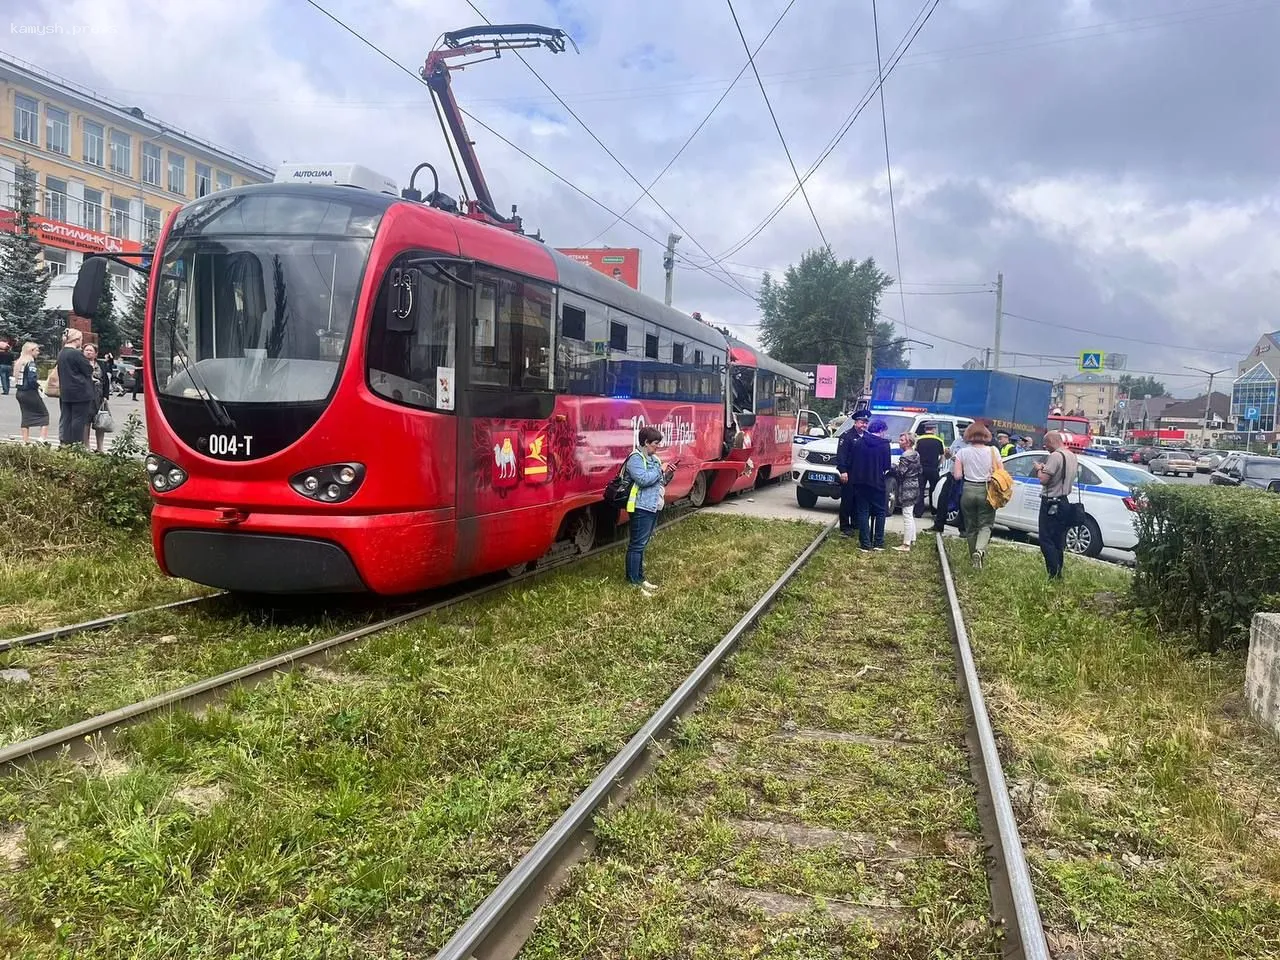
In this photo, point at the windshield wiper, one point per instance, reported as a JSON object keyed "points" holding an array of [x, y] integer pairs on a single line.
{"points": [[212, 405]]}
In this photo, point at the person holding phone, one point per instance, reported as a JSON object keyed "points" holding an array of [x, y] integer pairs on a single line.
{"points": [[649, 478]]}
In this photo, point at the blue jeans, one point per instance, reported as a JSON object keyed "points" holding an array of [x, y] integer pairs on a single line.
{"points": [[641, 527], [5, 372], [871, 508]]}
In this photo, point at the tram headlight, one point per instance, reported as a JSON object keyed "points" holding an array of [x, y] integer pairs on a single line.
{"points": [[331, 483], [163, 474]]}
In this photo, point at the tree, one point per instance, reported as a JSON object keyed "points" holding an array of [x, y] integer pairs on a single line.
{"points": [[24, 283], [1139, 387], [822, 311], [105, 324], [135, 312]]}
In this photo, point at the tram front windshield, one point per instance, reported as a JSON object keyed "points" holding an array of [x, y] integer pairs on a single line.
{"points": [[257, 296]]}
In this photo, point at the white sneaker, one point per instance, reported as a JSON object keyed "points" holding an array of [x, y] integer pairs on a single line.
{"points": [[649, 586]]}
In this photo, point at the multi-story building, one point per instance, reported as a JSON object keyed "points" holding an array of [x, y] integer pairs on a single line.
{"points": [[106, 174], [1091, 395], [1253, 394]]}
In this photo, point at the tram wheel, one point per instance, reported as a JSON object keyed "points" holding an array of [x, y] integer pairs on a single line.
{"points": [[698, 493], [582, 530], [517, 569]]}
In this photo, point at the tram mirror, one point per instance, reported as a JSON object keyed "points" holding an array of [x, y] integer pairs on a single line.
{"points": [[402, 306], [88, 290]]}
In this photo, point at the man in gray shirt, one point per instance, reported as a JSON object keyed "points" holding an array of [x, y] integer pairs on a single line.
{"points": [[1057, 476]]}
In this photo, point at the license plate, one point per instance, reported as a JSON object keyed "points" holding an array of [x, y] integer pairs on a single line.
{"points": [[821, 478]]}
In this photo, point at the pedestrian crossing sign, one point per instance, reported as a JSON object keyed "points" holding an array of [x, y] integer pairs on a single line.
{"points": [[1091, 360]]}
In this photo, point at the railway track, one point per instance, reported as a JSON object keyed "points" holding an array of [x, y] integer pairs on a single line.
{"points": [[99, 623], [78, 738], [503, 923]]}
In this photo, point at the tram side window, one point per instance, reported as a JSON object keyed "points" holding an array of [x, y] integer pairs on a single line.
{"points": [[884, 389], [765, 385], [677, 353], [744, 386], [511, 332], [785, 398], [580, 367], [414, 366]]}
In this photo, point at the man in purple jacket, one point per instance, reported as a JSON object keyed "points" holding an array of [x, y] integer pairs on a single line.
{"points": [[871, 464]]}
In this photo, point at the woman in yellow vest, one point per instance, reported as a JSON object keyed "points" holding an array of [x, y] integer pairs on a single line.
{"points": [[648, 481]]}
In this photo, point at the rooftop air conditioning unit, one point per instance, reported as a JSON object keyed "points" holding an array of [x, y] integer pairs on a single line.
{"points": [[337, 174]]}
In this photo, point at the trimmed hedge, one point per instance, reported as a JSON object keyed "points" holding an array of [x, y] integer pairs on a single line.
{"points": [[62, 499], [1208, 560]]}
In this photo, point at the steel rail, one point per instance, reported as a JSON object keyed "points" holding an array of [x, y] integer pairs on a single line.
{"points": [[1028, 927], [488, 917], [55, 633], [49, 743]]}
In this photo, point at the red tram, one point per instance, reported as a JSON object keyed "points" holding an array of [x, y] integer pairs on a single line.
{"points": [[353, 391]]}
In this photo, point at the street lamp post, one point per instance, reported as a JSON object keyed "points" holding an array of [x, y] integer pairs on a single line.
{"points": [[1208, 400]]}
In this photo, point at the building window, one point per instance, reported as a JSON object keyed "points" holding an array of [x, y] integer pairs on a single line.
{"points": [[119, 217], [119, 278], [121, 153], [151, 164], [1254, 391], [150, 223], [55, 261], [26, 120], [204, 180], [224, 181], [93, 209], [177, 173], [55, 198], [57, 130], [93, 143]]}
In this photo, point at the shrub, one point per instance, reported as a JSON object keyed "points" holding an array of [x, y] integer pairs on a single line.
{"points": [[1208, 559], [68, 498]]}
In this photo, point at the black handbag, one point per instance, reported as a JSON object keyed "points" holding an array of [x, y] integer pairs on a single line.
{"points": [[618, 490]]}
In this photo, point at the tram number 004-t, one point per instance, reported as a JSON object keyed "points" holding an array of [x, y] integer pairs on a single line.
{"points": [[227, 445]]}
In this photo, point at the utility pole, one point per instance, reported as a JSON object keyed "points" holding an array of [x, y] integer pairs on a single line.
{"points": [[1208, 400], [999, 319], [866, 371], [669, 262]]}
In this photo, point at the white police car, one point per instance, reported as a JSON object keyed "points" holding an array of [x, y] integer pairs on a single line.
{"points": [[1111, 493], [813, 458]]}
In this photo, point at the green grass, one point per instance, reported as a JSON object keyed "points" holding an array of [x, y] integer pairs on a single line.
{"points": [[824, 780], [70, 584], [1150, 805], [365, 809]]}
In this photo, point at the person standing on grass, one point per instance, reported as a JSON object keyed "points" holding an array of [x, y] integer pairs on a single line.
{"points": [[849, 442], [974, 466], [648, 494], [932, 451], [75, 382], [1057, 476], [26, 387], [907, 473], [872, 463]]}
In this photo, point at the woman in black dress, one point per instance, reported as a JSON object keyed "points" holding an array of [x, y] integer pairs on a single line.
{"points": [[26, 382]]}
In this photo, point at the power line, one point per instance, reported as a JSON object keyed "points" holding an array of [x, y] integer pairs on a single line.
{"points": [[903, 46], [888, 167], [524, 153], [714, 107], [613, 156], [1115, 336], [776, 126]]}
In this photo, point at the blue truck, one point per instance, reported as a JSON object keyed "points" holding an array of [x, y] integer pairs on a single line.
{"points": [[1009, 401]]}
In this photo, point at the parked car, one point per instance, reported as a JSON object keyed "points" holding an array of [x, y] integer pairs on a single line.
{"points": [[1208, 461], [1111, 494], [1177, 462], [1144, 454], [1247, 470], [1122, 454]]}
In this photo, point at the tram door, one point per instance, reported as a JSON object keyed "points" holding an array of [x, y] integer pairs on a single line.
{"points": [[506, 478]]}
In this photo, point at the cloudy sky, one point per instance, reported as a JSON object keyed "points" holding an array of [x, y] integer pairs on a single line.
{"points": [[1115, 159]]}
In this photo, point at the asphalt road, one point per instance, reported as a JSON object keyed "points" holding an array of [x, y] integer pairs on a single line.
{"points": [[11, 416]]}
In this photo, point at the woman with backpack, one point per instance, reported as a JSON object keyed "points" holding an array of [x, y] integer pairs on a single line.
{"points": [[648, 477]]}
